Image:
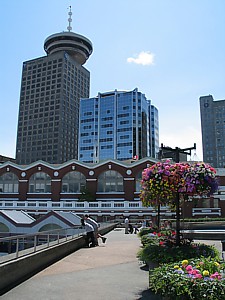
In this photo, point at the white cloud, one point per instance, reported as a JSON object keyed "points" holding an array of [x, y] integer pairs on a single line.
{"points": [[143, 58]]}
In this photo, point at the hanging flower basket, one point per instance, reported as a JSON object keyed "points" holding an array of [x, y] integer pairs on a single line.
{"points": [[163, 180]]}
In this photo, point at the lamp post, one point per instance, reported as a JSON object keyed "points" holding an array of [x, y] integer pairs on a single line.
{"points": [[177, 152]]}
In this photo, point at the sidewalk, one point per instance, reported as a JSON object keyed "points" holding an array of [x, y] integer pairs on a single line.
{"points": [[108, 272]]}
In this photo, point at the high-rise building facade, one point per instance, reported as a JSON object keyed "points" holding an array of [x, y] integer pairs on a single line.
{"points": [[213, 130], [154, 131], [51, 89], [117, 125]]}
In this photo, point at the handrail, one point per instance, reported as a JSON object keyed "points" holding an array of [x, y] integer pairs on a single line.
{"points": [[21, 245], [24, 244], [38, 233]]}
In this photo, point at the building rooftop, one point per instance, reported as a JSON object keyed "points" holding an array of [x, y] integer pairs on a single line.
{"points": [[19, 217]]}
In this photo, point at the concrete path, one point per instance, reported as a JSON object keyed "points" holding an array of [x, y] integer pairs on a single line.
{"points": [[108, 272]]}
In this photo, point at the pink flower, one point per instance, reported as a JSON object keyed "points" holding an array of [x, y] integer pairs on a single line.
{"points": [[216, 275], [194, 272], [198, 276], [188, 268]]}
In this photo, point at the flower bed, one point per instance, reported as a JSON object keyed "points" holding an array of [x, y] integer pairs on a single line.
{"points": [[195, 279], [161, 248], [145, 231], [162, 255], [150, 236]]}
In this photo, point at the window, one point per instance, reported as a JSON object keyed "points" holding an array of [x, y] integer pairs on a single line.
{"points": [[9, 183], [93, 204], [106, 205], [49, 226], [124, 122], [110, 181], [3, 228], [79, 204], [73, 182], [118, 204], [134, 204], [138, 181], [40, 183]]}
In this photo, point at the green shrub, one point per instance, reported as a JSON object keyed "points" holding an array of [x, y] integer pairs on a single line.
{"points": [[156, 237], [147, 239], [162, 253], [145, 230]]}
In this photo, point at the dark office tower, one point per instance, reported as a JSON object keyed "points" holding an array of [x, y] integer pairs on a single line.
{"points": [[213, 130], [51, 89]]}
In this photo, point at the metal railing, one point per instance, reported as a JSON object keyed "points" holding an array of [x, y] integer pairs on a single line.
{"points": [[202, 211], [13, 247], [107, 207]]}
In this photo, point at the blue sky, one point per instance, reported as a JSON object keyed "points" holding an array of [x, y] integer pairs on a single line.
{"points": [[173, 51]]}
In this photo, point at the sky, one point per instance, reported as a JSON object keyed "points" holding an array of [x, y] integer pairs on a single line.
{"points": [[173, 51]]}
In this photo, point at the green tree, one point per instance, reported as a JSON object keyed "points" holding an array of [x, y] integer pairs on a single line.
{"points": [[86, 195]]}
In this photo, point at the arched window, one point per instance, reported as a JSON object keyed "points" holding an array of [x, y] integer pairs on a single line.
{"points": [[3, 227], [48, 227], [110, 181], [73, 182], [138, 181], [9, 183], [40, 183]]}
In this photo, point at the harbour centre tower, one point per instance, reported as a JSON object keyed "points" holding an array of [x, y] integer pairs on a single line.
{"points": [[51, 89]]}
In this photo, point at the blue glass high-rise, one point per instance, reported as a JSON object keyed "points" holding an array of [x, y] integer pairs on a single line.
{"points": [[117, 125]]}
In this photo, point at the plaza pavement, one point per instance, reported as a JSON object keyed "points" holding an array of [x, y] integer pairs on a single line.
{"points": [[108, 272]]}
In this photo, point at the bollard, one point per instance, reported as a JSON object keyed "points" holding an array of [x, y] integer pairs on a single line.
{"points": [[223, 245]]}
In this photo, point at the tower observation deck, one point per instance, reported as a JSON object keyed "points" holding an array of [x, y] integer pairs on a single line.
{"points": [[76, 45]]}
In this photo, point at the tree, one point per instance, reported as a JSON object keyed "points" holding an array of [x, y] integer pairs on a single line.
{"points": [[86, 195]]}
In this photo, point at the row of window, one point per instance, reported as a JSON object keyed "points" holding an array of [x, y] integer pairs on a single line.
{"points": [[122, 137], [72, 182], [107, 132]]}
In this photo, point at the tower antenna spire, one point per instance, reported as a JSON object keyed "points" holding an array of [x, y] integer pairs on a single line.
{"points": [[69, 19]]}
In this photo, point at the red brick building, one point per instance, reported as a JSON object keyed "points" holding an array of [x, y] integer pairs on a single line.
{"points": [[107, 190]]}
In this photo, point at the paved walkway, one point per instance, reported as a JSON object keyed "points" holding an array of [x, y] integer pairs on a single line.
{"points": [[108, 272]]}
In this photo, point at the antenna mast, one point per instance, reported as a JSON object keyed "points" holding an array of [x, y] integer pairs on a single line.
{"points": [[69, 19]]}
